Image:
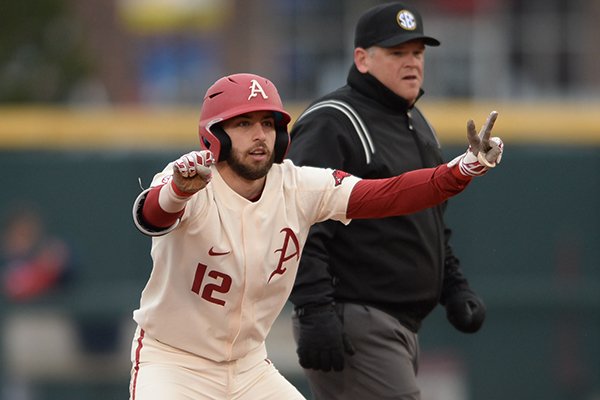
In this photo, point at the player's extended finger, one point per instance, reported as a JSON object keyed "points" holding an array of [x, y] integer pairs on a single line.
{"points": [[472, 136], [486, 130]]}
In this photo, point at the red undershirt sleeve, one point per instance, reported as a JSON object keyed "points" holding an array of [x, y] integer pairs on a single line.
{"points": [[154, 215], [405, 194]]}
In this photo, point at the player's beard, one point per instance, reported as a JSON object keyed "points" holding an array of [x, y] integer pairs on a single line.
{"points": [[247, 171]]}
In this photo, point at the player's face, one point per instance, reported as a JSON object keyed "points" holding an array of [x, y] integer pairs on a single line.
{"points": [[252, 144], [399, 68]]}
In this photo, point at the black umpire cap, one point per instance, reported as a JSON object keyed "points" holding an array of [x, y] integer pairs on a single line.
{"points": [[389, 25]]}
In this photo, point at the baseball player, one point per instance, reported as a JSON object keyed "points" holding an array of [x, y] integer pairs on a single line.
{"points": [[228, 224]]}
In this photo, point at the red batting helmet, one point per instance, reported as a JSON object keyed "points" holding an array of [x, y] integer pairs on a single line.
{"points": [[234, 95]]}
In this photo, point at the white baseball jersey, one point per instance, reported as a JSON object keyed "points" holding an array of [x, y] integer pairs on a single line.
{"points": [[220, 279]]}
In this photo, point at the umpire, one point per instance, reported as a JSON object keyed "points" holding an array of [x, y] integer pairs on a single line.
{"points": [[363, 290]]}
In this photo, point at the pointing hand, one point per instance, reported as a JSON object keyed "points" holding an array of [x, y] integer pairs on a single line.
{"points": [[191, 172]]}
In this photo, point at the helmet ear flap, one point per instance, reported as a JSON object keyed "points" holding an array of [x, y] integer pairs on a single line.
{"points": [[282, 143], [224, 141]]}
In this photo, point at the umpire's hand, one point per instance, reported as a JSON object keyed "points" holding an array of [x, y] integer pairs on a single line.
{"points": [[321, 341], [465, 311]]}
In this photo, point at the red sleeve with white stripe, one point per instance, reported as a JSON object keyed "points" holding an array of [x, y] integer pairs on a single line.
{"points": [[405, 194]]}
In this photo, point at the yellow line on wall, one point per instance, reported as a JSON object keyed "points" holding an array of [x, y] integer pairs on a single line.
{"points": [[97, 127], [527, 123], [159, 128]]}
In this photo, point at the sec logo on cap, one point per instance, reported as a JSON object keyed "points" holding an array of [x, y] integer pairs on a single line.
{"points": [[406, 20]]}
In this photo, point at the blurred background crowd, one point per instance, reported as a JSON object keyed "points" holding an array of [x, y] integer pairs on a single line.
{"points": [[95, 94], [168, 51]]}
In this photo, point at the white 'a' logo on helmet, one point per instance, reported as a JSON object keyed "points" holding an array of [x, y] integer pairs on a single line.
{"points": [[255, 89]]}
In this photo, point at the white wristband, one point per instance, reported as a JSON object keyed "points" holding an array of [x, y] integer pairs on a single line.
{"points": [[170, 201]]}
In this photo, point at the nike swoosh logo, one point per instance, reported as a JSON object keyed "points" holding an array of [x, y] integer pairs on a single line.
{"points": [[212, 252]]}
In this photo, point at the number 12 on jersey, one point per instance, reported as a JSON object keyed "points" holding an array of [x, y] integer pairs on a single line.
{"points": [[220, 283]]}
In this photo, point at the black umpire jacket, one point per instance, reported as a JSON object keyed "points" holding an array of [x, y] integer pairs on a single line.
{"points": [[401, 265]]}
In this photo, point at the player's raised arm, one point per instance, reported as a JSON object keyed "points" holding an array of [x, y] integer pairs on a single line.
{"points": [[157, 210], [420, 189]]}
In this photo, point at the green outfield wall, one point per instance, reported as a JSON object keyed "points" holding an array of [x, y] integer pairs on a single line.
{"points": [[527, 236]]}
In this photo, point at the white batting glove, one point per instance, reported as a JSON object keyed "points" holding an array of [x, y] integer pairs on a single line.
{"points": [[483, 152], [195, 162], [191, 172]]}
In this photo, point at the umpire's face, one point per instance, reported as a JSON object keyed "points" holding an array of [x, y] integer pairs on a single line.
{"points": [[399, 68]]}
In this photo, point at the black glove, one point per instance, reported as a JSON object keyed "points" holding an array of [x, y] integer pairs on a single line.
{"points": [[465, 311], [322, 342]]}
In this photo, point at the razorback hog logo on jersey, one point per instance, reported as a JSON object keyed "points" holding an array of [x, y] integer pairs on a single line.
{"points": [[339, 176], [256, 89], [287, 253]]}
